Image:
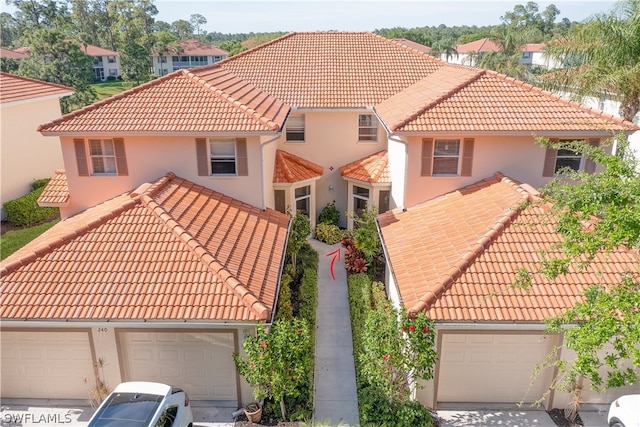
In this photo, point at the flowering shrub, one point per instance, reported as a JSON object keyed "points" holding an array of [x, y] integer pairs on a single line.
{"points": [[354, 260], [277, 362]]}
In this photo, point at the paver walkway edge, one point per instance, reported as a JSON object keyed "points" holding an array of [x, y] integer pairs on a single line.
{"points": [[335, 394]]}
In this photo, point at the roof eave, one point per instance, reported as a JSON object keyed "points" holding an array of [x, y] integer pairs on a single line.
{"points": [[143, 133]]}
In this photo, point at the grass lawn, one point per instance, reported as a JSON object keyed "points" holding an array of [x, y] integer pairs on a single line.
{"points": [[13, 240], [107, 89]]}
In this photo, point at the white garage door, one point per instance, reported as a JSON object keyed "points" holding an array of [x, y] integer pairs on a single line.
{"points": [[493, 368], [200, 363], [46, 365]]}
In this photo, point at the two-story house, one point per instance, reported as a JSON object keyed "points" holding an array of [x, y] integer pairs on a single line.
{"points": [[173, 194], [186, 54], [106, 63]]}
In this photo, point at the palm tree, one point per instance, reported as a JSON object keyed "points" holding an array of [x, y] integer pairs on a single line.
{"points": [[446, 47], [605, 52], [507, 60]]}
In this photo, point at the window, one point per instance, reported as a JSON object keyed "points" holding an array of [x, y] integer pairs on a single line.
{"points": [[360, 200], [223, 156], [103, 156], [280, 201], [295, 128], [113, 72], [526, 55], [163, 59], [111, 59], [446, 154], [367, 128], [567, 159], [303, 199]]}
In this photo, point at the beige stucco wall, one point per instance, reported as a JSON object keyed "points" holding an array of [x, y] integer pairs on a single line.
{"points": [[26, 155], [331, 141], [518, 157], [149, 158]]}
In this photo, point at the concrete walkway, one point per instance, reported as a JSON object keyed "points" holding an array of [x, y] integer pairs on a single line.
{"points": [[335, 394]]}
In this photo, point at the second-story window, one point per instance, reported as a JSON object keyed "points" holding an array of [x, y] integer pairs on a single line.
{"points": [[223, 156], [295, 128], [446, 154], [367, 128], [103, 156], [567, 159], [111, 59]]}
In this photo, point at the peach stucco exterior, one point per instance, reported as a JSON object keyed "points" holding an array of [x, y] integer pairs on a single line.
{"points": [[26, 154]]}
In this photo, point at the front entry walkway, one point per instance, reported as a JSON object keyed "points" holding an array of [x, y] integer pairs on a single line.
{"points": [[335, 394]]}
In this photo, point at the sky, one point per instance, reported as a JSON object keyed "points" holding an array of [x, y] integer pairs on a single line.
{"points": [[244, 16]]}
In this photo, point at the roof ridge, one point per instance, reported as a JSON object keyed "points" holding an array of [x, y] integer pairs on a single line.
{"points": [[244, 294], [71, 234], [475, 77], [285, 156], [483, 243], [109, 100], [253, 114], [589, 110], [253, 49]]}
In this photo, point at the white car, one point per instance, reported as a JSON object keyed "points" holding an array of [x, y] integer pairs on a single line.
{"points": [[144, 404], [625, 411]]}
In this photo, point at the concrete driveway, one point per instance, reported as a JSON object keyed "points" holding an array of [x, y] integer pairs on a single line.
{"points": [[44, 412]]}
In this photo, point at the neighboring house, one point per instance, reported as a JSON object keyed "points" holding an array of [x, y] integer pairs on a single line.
{"points": [[106, 63], [27, 155], [11, 54], [292, 125], [417, 46], [187, 54], [470, 53], [534, 56], [457, 256]]}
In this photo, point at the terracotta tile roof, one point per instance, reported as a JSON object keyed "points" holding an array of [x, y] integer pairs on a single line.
{"points": [[56, 193], [482, 45], [170, 250], [17, 88], [290, 168], [8, 53], [533, 47], [332, 69], [196, 47], [179, 103], [374, 169], [490, 102], [457, 256], [413, 45], [92, 50]]}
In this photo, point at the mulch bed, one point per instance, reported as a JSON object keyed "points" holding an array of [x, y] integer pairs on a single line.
{"points": [[265, 421], [557, 415]]}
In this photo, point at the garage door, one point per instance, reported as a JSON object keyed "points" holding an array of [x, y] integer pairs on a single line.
{"points": [[200, 363], [46, 364], [493, 368]]}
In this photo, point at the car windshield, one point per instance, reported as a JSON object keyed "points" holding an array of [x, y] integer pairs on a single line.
{"points": [[127, 409]]}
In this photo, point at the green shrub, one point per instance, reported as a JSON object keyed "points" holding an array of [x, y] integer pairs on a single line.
{"points": [[330, 215], [284, 310], [329, 233], [25, 210], [40, 183]]}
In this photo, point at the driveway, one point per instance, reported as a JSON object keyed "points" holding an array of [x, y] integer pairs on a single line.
{"points": [[44, 412]]}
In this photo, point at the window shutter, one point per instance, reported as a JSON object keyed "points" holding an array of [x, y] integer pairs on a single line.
{"points": [[467, 157], [590, 165], [81, 157], [549, 168], [427, 156], [241, 157], [121, 158], [202, 157]]}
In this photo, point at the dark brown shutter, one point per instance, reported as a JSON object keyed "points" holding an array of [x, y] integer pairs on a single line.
{"points": [[81, 157], [590, 165], [242, 169], [427, 156], [121, 158], [467, 157], [202, 157], [549, 168]]}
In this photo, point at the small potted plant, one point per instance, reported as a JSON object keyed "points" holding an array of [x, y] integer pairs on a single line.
{"points": [[253, 411]]}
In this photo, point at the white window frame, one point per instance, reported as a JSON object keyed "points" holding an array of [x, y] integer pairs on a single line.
{"points": [[358, 196], [296, 124], [306, 196], [102, 151], [222, 157], [367, 132], [457, 156]]}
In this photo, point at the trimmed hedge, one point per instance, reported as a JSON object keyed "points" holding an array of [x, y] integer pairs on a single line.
{"points": [[329, 233], [25, 211]]}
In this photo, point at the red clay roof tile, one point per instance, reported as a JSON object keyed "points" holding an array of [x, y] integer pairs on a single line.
{"points": [[126, 255], [290, 168], [457, 256], [17, 88], [56, 193], [374, 169]]}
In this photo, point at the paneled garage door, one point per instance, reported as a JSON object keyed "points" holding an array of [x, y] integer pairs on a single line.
{"points": [[494, 368], [199, 362], [46, 365]]}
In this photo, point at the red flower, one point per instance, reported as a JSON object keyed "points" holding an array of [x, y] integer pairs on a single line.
{"points": [[412, 328], [263, 344], [425, 329], [386, 357]]}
